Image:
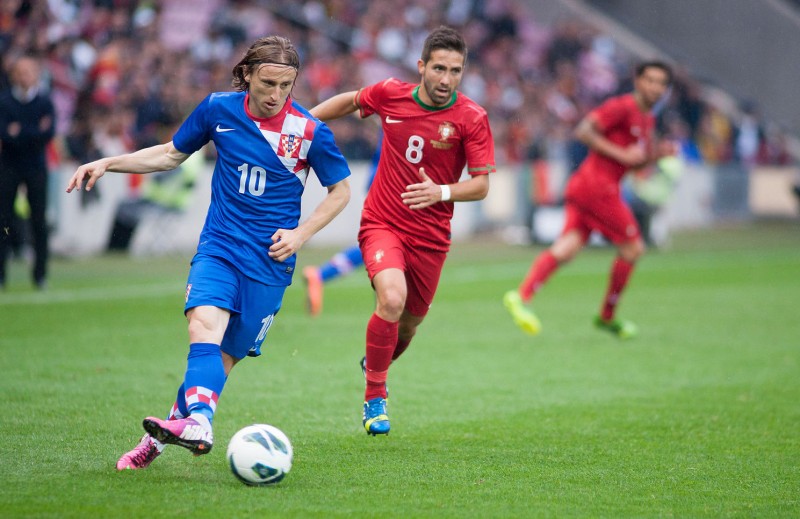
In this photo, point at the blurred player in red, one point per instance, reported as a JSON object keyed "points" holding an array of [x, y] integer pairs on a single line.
{"points": [[619, 135], [430, 132]]}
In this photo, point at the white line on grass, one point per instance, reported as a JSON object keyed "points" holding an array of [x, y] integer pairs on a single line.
{"points": [[90, 294]]}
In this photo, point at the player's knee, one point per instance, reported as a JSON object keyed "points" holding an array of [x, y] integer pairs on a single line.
{"points": [[641, 249], [564, 255], [566, 247], [391, 303], [203, 329], [632, 251]]}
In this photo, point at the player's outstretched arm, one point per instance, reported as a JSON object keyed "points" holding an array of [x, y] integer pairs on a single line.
{"points": [[288, 241], [162, 157], [335, 107]]}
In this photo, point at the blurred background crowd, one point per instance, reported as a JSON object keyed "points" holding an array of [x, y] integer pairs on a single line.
{"points": [[124, 73]]}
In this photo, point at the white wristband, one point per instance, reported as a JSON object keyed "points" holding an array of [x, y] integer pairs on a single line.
{"points": [[445, 192]]}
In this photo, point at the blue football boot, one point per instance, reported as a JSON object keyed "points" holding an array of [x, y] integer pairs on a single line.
{"points": [[376, 421]]}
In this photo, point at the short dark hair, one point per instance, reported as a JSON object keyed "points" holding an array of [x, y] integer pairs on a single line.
{"points": [[446, 38], [644, 65], [275, 50]]}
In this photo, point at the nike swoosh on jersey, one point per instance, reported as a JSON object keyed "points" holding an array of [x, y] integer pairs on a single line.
{"points": [[389, 120], [220, 130]]}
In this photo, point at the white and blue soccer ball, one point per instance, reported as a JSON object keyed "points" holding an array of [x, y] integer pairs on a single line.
{"points": [[260, 454]]}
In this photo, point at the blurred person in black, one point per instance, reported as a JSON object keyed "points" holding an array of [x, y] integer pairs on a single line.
{"points": [[27, 124]]}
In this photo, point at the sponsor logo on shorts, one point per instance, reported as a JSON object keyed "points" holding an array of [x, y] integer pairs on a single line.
{"points": [[188, 290]]}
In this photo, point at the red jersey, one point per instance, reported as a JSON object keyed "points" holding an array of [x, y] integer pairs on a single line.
{"points": [[440, 139], [621, 121]]}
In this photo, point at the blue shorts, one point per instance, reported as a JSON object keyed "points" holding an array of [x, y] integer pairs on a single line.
{"points": [[253, 305]]}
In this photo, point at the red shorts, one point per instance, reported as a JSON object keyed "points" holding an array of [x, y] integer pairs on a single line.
{"points": [[599, 209], [383, 249]]}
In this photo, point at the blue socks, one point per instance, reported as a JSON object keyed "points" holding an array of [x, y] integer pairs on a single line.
{"points": [[342, 263], [204, 380]]}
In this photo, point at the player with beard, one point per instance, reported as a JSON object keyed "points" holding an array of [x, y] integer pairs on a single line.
{"points": [[430, 132]]}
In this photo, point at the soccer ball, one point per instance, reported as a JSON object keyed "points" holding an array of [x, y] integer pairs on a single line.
{"points": [[260, 454]]}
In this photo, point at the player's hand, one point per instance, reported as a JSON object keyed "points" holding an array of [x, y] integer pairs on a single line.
{"points": [[285, 243], [667, 148], [422, 195], [90, 172], [634, 156]]}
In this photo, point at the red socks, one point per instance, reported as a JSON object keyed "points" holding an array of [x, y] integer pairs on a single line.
{"points": [[540, 271], [544, 266], [381, 342], [620, 273]]}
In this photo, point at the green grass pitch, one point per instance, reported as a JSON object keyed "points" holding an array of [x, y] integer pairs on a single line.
{"points": [[697, 417]]}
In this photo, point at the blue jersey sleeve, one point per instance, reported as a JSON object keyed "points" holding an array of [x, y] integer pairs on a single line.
{"points": [[195, 132], [325, 158]]}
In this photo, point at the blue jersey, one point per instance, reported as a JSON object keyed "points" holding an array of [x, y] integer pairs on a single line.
{"points": [[259, 177]]}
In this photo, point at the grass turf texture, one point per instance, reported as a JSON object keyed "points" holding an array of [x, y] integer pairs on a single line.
{"points": [[697, 417]]}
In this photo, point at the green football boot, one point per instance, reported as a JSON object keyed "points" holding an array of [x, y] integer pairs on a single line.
{"points": [[523, 317], [621, 328]]}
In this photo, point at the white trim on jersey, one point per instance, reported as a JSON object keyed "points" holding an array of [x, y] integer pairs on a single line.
{"points": [[293, 126]]}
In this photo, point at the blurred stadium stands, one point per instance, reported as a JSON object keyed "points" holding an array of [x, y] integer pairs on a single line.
{"points": [[124, 72]]}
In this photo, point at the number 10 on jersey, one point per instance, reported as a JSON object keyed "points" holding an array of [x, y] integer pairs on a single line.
{"points": [[258, 179]]}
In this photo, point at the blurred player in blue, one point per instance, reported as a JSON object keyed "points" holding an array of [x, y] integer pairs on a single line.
{"points": [[266, 144], [342, 263]]}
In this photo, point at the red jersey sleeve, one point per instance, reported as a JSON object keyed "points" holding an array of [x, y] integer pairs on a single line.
{"points": [[369, 98], [610, 113], [479, 145]]}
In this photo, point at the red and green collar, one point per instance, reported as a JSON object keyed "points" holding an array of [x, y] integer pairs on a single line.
{"points": [[415, 95]]}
